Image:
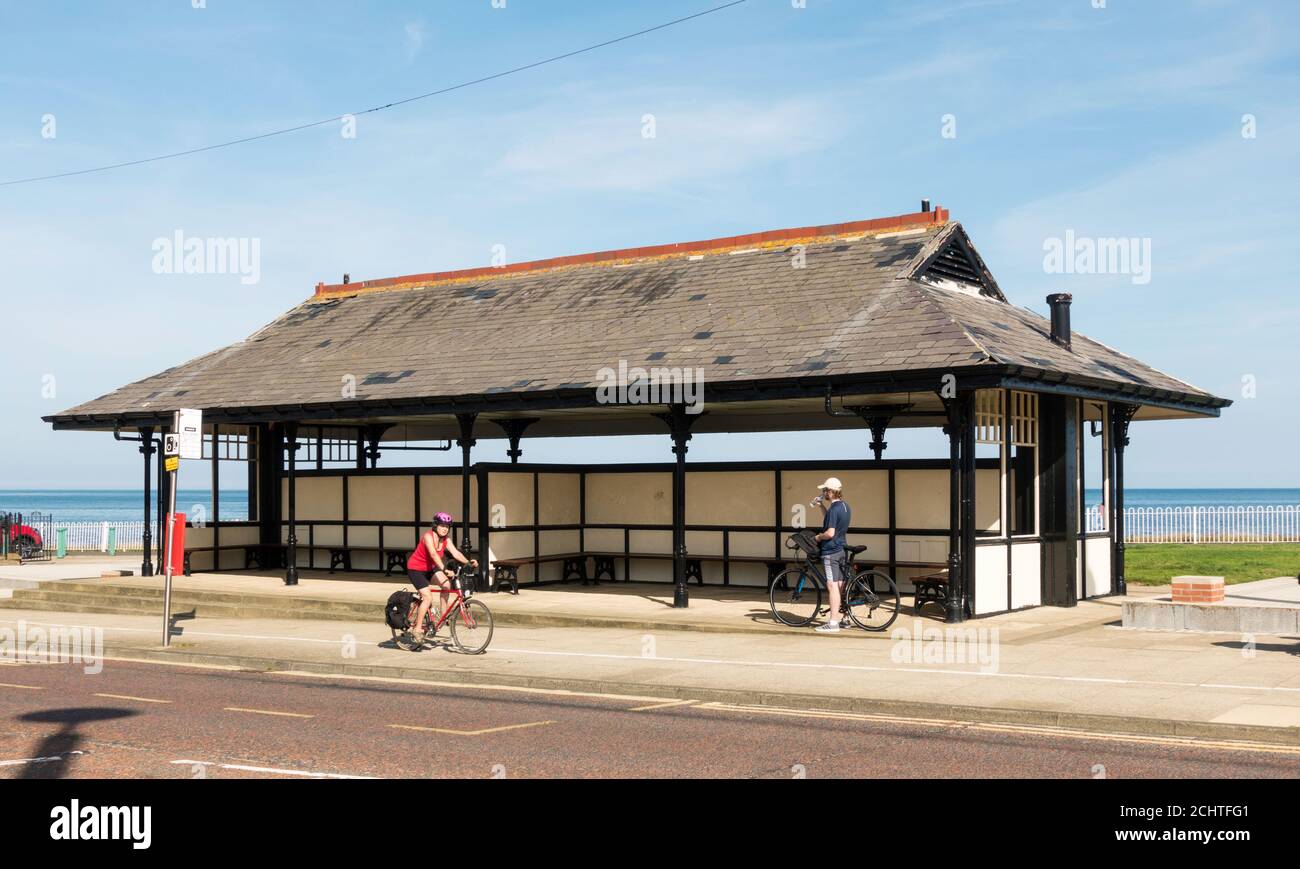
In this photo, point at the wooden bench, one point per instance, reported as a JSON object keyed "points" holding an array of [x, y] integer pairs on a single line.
{"points": [[341, 556], [931, 589], [604, 563], [253, 552], [505, 571]]}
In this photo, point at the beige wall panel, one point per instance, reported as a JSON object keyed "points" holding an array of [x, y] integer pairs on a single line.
{"points": [[558, 542], [749, 576], [604, 540], [442, 492], [402, 538], [922, 498], [752, 543], [510, 496], [1026, 575], [988, 500], [381, 499], [560, 496], [651, 542], [729, 498], [867, 493], [990, 579], [318, 498], [1098, 549], [635, 499], [704, 542], [650, 571], [511, 544], [324, 535], [363, 535]]}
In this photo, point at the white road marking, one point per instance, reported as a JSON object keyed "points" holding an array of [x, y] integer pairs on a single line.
{"points": [[268, 712], [268, 769], [482, 732], [129, 697], [23, 687], [666, 705], [55, 759]]}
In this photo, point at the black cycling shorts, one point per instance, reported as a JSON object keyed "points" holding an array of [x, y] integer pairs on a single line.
{"points": [[420, 579]]}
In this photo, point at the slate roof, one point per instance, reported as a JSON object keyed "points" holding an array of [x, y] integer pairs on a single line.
{"points": [[739, 307]]}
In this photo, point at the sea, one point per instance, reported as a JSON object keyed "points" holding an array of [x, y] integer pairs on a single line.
{"points": [[126, 505]]}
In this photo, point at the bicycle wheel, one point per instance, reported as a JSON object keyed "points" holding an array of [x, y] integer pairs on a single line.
{"points": [[873, 600], [796, 597], [471, 627]]}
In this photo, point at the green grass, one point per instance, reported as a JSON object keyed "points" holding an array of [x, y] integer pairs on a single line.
{"points": [[1158, 563]]}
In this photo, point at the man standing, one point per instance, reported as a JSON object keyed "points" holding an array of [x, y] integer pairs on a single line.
{"points": [[831, 543]]}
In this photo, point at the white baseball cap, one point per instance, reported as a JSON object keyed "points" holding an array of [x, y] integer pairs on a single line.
{"points": [[832, 483]]}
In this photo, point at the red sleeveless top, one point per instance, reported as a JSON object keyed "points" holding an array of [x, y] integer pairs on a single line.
{"points": [[420, 560]]}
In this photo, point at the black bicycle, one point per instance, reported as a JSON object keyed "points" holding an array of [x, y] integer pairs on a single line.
{"points": [[870, 600]]}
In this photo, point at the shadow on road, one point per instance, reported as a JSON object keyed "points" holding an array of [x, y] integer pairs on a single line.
{"points": [[61, 745]]}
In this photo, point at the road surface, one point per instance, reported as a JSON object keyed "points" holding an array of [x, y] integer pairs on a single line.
{"points": [[146, 720]]}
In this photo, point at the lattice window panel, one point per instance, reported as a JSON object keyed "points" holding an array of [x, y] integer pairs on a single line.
{"points": [[328, 450], [230, 448], [1024, 419], [988, 416]]}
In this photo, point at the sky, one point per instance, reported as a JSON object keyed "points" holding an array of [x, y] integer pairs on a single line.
{"points": [[1172, 122]]}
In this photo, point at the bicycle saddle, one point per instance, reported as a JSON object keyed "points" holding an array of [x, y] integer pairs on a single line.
{"points": [[856, 550]]}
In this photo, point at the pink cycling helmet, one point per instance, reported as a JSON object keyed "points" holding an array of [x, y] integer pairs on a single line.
{"points": [[443, 519]]}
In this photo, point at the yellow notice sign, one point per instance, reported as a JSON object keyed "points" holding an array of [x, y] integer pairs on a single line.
{"points": [[172, 463]]}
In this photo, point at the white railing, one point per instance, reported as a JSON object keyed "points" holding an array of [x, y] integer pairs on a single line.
{"points": [[1244, 524], [93, 536]]}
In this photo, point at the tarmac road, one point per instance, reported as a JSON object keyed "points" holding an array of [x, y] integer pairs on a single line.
{"points": [[145, 720]]}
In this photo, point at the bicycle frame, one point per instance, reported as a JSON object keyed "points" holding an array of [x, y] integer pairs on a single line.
{"points": [[458, 604]]}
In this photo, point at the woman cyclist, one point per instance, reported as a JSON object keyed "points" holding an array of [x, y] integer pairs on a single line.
{"points": [[428, 563]]}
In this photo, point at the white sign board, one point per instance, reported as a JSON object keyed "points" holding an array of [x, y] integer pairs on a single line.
{"points": [[189, 428], [171, 445]]}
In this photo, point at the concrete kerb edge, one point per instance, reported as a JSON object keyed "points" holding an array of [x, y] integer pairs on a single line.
{"points": [[955, 714]]}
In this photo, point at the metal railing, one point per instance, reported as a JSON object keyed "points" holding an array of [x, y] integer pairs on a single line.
{"points": [[95, 536], [1237, 524]]}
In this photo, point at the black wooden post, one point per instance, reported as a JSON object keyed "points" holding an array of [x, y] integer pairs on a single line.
{"points": [[216, 498], [878, 426], [146, 449], [679, 426], [968, 560], [466, 443], [954, 429], [291, 557], [1120, 416], [514, 429]]}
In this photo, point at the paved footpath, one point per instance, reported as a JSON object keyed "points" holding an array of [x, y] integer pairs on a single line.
{"points": [[1082, 673]]}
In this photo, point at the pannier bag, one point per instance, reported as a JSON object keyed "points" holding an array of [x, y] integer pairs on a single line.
{"points": [[805, 540], [397, 610]]}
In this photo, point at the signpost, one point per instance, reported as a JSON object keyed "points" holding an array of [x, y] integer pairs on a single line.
{"points": [[184, 442]]}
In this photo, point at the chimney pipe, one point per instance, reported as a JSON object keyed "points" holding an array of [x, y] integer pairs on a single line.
{"points": [[1060, 305], [925, 206]]}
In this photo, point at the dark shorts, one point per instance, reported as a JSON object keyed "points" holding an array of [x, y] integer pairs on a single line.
{"points": [[834, 565], [420, 579]]}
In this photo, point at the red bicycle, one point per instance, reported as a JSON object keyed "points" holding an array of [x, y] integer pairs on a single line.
{"points": [[470, 619]]}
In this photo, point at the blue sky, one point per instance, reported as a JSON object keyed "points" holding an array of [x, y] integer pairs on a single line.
{"points": [[1122, 121]]}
